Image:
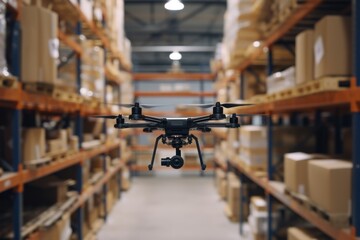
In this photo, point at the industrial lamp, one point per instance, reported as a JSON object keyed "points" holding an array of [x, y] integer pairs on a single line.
{"points": [[174, 5], [175, 56]]}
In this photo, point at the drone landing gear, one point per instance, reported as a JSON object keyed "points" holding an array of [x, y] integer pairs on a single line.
{"points": [[176, 161]]}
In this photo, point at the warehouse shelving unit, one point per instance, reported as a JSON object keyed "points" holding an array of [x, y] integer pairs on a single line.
{"points": [[16, 100], [348, 99]]}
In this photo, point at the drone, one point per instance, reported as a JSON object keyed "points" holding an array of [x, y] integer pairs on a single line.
{"points": [[177, 131]]}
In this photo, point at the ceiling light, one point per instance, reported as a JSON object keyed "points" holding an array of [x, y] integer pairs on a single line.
{"points": [[174, 5], [175, 56], [256, 44]]}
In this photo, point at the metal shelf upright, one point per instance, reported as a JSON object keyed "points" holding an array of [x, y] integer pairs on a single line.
{"points": [[356, 122]]}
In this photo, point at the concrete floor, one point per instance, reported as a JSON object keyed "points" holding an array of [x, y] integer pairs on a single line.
{"points": [[170, 208]]}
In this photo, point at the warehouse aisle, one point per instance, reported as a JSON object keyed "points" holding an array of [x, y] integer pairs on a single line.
{"points": [[170, 208]]}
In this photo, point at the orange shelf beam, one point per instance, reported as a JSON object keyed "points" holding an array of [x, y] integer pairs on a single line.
{"points": [[308, 102], [173, 76], [69, 42], [174, 94], [9, 180], [302, 11]]}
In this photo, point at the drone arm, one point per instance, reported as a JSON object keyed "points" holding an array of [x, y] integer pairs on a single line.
{"points": [[151, 119], [218, 125], [134, 125], [154, 152], [203, 166], [202, 119]]}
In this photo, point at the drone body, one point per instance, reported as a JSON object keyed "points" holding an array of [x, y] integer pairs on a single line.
{"points": [[177, 131]]}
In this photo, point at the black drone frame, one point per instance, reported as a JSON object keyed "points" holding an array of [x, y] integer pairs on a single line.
{"points": [[177, 130]]}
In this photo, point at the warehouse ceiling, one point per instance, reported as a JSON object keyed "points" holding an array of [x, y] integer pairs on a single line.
{"points": [[148, 24]]}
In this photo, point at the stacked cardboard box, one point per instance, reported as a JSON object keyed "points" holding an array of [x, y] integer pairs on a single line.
{"points": [[258, 218], [253, 146], [281, 80], [125, 179], [324, 51], [39, 44], [92, 70], [233, 197], [296, 171], [221, 183], [232, 143]]}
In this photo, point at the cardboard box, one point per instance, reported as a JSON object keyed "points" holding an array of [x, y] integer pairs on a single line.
{"points": [[56, 191], [33, 144], [304, 56], [296, 171], [333, 47], [233, 195], [296, 233], [330, 185], [60, 230], [254, 157], [39, 44], [258, 204], [125, 179], [253, 137]]}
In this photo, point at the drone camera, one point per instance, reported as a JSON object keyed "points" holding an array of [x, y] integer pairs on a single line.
{"points": [[175, 162]]}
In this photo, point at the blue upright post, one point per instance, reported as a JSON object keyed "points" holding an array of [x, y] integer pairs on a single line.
{"points": [[356, 123], [79, 132], [16, 162], [270, 149]]}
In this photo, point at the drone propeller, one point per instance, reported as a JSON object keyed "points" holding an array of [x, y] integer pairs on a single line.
{"points": [[131, 105], [225, 105]]}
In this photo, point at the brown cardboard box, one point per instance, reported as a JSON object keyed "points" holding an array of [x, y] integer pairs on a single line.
{"points": [[253, 137], [233, 195], [330, 185], [60, 230], [125, 179], [254, 157], [55, 189], [295, 233], [333, 47], [39, 45], [304, 57], [296, 171], [33, 144], [258, 203]]}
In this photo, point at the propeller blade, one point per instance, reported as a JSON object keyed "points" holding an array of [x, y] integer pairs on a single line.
{"points": [[231, 105], [105, 116], [153, 105], [205, 105]]}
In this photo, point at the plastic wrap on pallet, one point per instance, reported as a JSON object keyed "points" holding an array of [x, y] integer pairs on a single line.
{"points": [[281, 80], [3, 65]]}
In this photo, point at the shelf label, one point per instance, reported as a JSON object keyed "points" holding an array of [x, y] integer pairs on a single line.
{"points": [[54, 48], [319, 50]]}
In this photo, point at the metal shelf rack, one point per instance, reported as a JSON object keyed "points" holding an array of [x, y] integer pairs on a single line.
{"points": [[348, 99], [16, 100]]}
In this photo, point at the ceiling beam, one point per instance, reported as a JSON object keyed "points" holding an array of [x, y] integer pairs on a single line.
{"points": [[173, 48]]}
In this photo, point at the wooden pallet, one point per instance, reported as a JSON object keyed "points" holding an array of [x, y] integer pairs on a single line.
{"points": [[62, 93], [8, 82], [34, 164], [321, 85], [340, 220]]}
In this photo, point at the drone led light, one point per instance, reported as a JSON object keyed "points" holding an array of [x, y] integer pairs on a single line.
{"points": [[175, 56], [174, 5]]}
